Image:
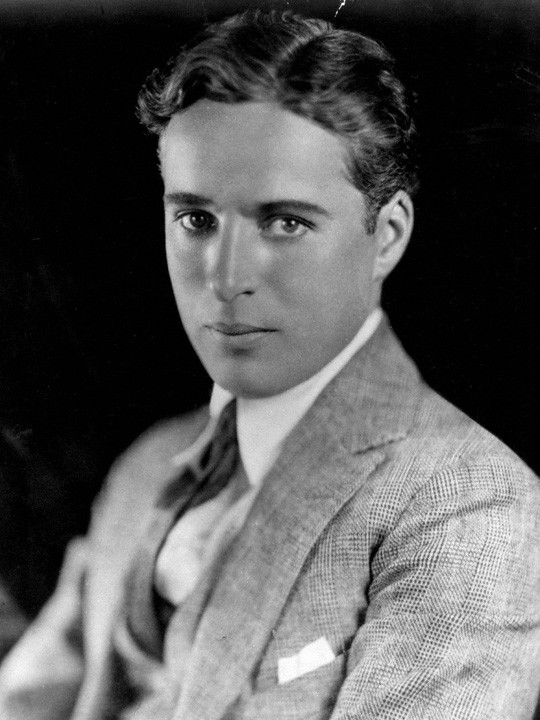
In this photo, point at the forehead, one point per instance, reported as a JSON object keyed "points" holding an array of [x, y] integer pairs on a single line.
{"points": [[257, 147]]}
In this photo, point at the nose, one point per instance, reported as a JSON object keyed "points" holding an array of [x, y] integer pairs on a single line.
{"points": [[232, 262]]}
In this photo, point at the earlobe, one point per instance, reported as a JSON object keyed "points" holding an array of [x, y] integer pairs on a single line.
{"points": [[394, 228]]}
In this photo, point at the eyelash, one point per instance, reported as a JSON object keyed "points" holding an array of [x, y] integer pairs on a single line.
{"points": [[265, 225], [179, 217], [301, 224]]}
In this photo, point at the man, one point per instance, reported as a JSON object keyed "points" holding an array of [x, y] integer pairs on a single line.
{"points": [[370, 552]]}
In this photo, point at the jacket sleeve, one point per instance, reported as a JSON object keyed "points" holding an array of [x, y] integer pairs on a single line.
{"points": [[452, 629], [41, 676]]}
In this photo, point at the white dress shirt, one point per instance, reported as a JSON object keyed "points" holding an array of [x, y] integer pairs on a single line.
{"points": [[262, 426]]}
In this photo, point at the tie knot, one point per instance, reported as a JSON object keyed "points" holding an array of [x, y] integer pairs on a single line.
{"points": [[210, 471], [226, 424], [218, 461]]}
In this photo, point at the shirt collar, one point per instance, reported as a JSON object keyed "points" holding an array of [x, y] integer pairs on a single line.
{"points": [[264, 423]]}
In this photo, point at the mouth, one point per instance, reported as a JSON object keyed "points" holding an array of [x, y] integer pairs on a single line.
{"points": [[237, 329], [236, 337]]}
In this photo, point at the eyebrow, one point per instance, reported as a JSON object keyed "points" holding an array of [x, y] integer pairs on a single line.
{"points": [[186, 198], [269, 208], [281, 206]]}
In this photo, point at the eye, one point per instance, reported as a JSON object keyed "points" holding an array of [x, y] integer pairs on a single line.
{"points": [[285, 226], [196, 221]]}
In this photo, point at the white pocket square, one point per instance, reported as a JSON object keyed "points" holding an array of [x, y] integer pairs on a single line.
{"points": [[311, 657]]}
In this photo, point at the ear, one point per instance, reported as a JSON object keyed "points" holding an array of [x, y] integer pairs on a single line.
{"points": [[394, 227]]}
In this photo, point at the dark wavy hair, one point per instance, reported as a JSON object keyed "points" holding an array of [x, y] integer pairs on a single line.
{"points": [[340, 79]]}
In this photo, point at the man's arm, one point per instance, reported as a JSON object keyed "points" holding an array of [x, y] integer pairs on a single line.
{"points": [[453, 625], [41, 676]]}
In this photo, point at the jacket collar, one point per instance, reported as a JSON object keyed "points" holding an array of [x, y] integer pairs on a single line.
{"points": [[372, 401]]}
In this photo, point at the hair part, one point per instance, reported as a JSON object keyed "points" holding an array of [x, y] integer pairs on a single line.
{"points": [[340, 79]]}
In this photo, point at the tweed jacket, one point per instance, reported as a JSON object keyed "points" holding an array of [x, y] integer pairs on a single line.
{"points": [[392, 529]]}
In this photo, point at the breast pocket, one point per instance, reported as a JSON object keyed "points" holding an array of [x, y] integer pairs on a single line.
{"points": [[310, 695]]}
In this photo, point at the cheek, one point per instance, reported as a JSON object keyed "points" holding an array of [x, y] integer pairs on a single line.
{"points": [[186, 267], [327, 281], [186, 280]]}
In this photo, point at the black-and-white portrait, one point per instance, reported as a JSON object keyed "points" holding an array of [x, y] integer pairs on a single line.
{"points": [[268, 360]]}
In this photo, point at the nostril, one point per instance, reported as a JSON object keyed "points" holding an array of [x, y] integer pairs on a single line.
{"points": [[227, 292]]}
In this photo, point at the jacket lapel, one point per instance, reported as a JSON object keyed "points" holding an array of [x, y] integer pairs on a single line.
{"points": [[370, 403]]}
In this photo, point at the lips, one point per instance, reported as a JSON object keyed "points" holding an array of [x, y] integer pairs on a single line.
{"points": [[236, 328]]}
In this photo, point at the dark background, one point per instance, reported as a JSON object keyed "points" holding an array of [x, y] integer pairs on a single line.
{"points": [[91, 350]]}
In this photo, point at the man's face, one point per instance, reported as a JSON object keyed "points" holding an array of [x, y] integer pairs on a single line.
{"points": [[271, 266]]}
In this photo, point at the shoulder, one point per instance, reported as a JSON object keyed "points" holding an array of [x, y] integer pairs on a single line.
{"points": [[447, 460], [420, 435], [157, 445], [451, 439], [141, 470]]}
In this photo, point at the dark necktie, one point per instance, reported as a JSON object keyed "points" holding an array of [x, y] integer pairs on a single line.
{"points": [[199, 481]]}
